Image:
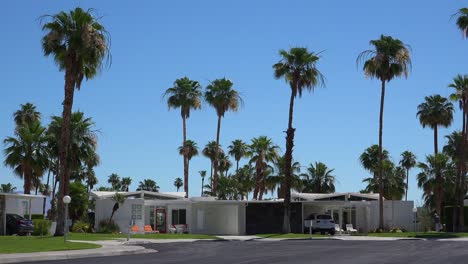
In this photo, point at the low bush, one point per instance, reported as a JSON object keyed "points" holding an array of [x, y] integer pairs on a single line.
{"points": [[108, 227], [80, 227], [41, 227]]}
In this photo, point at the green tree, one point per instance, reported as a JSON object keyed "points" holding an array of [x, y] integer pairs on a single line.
{"points": [[178, 183], [26, 153], [238, 150], [185, 94], [125, 183], [436, 175], [118, 199], [224, 164], [262, 151], [7, 188], [79, 45], [246, 181], [408, 161], [393, 181], [276, 180], [434, 112], [210, 151], [27, 114], [202, 175], [189, 151], [462, 21], [148, 185], [223, 98], [79, 202], [299, 68], [389, 58], [114, 181], [369, 159], [319, 179], [460, 85]]}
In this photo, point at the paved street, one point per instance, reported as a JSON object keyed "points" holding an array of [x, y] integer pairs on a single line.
{"points": [[298, 251]]}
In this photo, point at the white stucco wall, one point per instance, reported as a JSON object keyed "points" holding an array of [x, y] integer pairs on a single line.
{"points": [[123, 215], [219, 219], [396, 214], [20, 206]]}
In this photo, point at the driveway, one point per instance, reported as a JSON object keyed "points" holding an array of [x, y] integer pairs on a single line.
{"points": [[297, 251]]}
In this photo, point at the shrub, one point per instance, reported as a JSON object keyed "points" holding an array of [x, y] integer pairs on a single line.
{"points": [[34, 216], [80, 227], [41, 227], [108, 227]]}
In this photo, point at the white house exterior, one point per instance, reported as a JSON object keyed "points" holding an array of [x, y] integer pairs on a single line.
{"points": [[207, 215], [20, 204]]}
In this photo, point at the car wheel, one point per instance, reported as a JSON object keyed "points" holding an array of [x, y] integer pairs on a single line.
{"points": [[332, 232]]}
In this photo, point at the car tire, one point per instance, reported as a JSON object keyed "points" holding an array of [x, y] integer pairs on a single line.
{"points": [[332, 232]]}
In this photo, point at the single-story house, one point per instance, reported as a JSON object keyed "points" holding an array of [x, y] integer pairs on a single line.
{"points": [[20, 204], [207, 215]]}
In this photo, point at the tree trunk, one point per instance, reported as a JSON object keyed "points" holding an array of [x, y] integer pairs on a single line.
{"points": [[184, 151], [63, 154], [27, 179], [237, 168], [215, 180], [407, 183], [202, 184], [287, 169], [462, 185], [381, 187], [436, 145], [258, 178]]}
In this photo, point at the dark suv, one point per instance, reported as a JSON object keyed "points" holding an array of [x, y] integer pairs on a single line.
{"points": [[16, 224]]}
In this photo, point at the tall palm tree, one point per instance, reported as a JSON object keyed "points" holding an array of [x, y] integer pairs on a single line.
{"points": [[202, 175], [125, 183], [79, 45], [319, 179], [369, 159], [433, 178], [460, 85], [408, 161], [238, 149], [210, 152], [178, 183], [462, 21], [393, 181], [189, 151], [223, 98], [148, 185], [27, 114], [114, 181], [246, 181], [435, 111], [224, 164], [185, 94], [7, 188], [276, 180], [299, 68], [26, 153], [262, 151], [389, 58]]}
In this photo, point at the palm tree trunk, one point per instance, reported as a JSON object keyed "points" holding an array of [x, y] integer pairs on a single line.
{"points": [[462, 185], [202, 184], [65, 140], [215, 180], [436, 145], [184, 128], [287, 169], [27, 179], [407, 182], [237, 168], [381, 187]]}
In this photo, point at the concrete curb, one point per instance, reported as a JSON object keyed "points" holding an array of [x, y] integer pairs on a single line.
{"points": [[107, 249]]}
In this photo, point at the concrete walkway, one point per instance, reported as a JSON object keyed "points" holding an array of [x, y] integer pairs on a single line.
{"points": [[109, 248]]}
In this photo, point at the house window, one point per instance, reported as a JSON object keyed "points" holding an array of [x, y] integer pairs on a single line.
{"points": [[179, 217]]}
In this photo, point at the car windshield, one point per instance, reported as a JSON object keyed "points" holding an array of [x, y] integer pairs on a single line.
{"points": [[16, 217], [324, 217]]}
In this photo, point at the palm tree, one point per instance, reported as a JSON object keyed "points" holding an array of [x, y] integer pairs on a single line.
{"points": [[125, 183], [434, 112], [462, 21], [202, 175], [389, 59], [91, 180], [224, 164], [26, 115], [114, 181], [223, 98], [246, 181], [186, 95], [7, 188], [433, 178], [460, 85], [276, 180], [238, 149], [262, 150], [178, 183], [118, 199], [299, 68], [319, 179], [190, 150], [393, 181], [26, 153], [79, 45], [210, 151], [369, 159], [148, 185], [408, 161]]}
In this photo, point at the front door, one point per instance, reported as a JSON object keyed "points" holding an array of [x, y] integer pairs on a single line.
{"points": [[161, 220]]}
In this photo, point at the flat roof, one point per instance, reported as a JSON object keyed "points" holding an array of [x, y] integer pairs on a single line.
{"points": [[21, 195], [167, 195]]}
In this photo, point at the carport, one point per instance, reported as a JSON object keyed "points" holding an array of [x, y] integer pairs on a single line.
{"points": [[21, 204]]}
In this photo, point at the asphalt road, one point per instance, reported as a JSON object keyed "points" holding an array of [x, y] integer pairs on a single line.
{"points": [[303, 251]]}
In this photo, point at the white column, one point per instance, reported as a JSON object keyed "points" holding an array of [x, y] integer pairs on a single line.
{"points": [[340, 217]]}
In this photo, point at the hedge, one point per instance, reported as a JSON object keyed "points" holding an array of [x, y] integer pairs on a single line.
{"points": [[448, 217]]}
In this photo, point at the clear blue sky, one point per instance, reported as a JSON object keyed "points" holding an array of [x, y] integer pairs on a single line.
{"points": [[156, 42]]}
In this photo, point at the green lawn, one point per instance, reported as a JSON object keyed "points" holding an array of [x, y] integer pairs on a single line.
{"points": [[20, 244], [290, 235], [433, 235], [94, 237]]}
